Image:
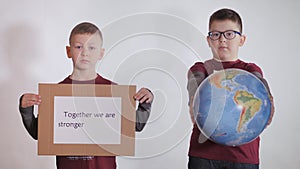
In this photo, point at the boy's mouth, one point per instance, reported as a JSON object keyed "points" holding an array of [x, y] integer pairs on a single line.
{"points": [[223, 48], [84, 61]]}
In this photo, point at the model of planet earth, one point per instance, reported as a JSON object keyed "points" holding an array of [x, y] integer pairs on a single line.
{"points": [[232, 107]]}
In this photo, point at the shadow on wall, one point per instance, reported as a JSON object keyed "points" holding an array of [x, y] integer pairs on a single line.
{"points": [[20, 45]]}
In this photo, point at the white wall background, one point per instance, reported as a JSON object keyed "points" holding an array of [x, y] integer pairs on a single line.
{"points": [[151, 44]]}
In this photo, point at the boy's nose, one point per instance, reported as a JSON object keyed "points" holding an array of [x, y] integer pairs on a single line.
{"points": [[84, 52], [222, 38]]}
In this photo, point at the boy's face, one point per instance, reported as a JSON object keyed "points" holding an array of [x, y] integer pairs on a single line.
{"points": [[222, 48], [85, 50]]}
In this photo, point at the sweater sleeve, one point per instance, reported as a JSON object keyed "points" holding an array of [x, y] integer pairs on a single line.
{"points": [[29, 120], [196, 75], [142, 116]]}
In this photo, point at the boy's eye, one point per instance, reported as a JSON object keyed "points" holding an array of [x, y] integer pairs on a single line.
{"points": [[229, 34], [78, 47], [216, 34], [92, 48]]}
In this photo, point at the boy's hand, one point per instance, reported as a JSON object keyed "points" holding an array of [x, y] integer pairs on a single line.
{"points": [[30, 99], [272, 110], [143, 95]]}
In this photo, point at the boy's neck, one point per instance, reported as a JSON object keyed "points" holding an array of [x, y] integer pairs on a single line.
{"points": [[83, 75], [219, 60]]}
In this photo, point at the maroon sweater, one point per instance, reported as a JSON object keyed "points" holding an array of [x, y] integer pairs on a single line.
{"points": [[247, 153]]}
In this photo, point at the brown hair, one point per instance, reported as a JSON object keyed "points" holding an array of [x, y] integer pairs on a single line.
{"points": [[85, 28], [224, 14]]}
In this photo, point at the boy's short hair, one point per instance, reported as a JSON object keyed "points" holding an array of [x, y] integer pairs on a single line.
{"points": [[224, 14], [85, 28]]}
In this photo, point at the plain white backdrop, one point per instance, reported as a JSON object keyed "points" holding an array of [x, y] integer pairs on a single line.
{"points": [[149, 44]]}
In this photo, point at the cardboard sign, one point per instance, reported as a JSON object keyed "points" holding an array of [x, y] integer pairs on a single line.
{"points": [[86, 120]]}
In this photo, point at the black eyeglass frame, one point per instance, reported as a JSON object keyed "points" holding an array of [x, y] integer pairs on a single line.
{"points": [[235, 32]]}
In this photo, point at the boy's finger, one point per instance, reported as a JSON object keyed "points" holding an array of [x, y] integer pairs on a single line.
{"points": [[29, 100], [139, 95]]}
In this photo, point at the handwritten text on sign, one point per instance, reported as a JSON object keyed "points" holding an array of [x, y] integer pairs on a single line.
{"points": [[87, 120]]}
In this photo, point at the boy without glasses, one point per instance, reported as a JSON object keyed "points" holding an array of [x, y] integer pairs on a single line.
{"points": [[85, 50], [224, 38]]}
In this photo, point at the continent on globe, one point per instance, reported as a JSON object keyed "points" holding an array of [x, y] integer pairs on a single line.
{"points": [[221, 76], [249, 105]]}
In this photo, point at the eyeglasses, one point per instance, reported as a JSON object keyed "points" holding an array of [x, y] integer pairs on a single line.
{"points": [[230, 34]]}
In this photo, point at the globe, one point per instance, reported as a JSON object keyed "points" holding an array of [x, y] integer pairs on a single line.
{"points": [[231, 107]]}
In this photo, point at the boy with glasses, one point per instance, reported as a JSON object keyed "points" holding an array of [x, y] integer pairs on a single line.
{"points": [[224, 38]]}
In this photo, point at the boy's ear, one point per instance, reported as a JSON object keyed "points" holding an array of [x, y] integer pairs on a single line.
{"points": [[68, 50], [101, 53], [208, 40], [242, 40]]}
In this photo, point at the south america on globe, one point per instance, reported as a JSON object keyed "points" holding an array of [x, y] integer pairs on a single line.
{"points": [[231, 107]]}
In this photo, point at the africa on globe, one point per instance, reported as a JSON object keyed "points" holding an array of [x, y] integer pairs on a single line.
{"points": [[231, 107]]}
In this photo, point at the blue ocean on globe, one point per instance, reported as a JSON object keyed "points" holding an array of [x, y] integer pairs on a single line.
{"points": [[232, 107]]}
